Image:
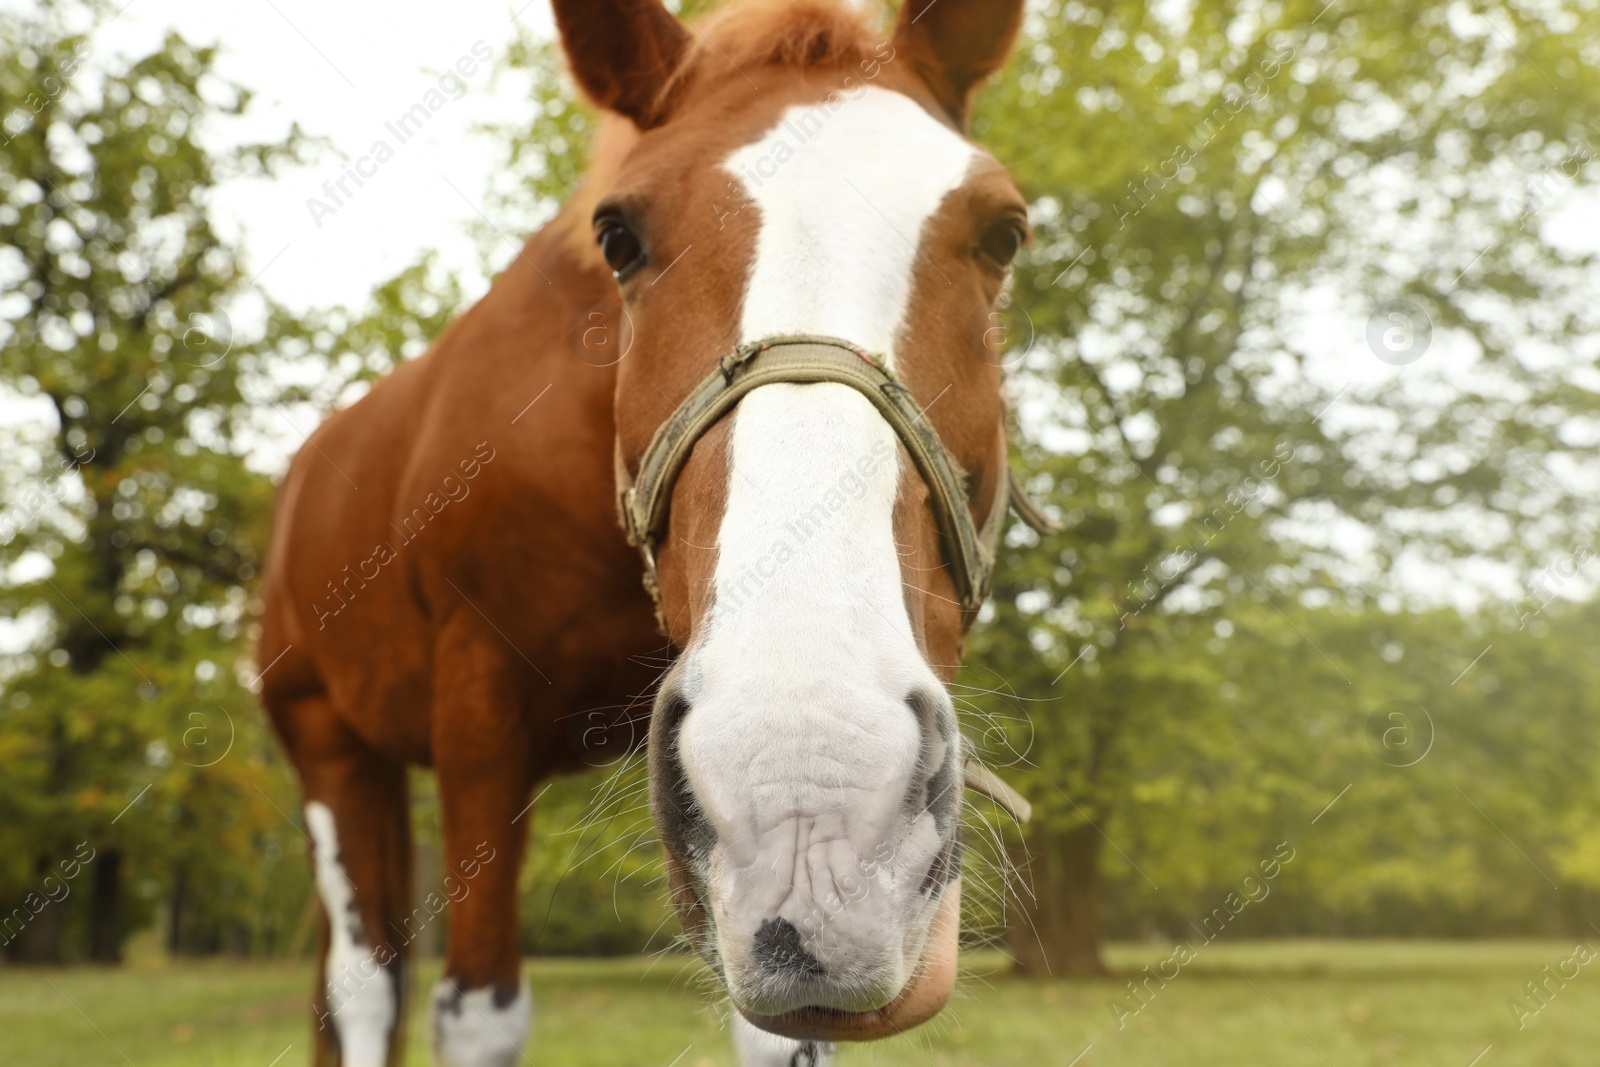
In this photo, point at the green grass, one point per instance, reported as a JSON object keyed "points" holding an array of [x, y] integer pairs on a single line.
{"points": [[1283, 1004]]}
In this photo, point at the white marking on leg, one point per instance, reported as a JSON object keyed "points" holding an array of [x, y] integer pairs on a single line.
{"points": [[479, 1027], [363, 1000], [757, 1048]]}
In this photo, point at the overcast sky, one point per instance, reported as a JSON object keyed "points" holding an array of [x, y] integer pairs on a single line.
{"points": [[343, 69]]}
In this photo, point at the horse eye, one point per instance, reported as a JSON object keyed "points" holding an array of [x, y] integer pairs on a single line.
{"points": [[1001, 242], [622, 248]]}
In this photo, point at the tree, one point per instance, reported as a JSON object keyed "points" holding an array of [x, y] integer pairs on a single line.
{"points": [[1418, 798], [1198, 177], [130, 540]]}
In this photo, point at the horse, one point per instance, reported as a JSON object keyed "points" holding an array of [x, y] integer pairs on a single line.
{"points": [[742, 394]]}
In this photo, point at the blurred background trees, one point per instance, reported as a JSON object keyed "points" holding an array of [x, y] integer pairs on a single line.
{"points": [[139, 525], [134, 522], [1214, 188], [1301, 359]]}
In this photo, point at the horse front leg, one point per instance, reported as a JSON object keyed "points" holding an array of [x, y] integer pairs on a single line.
{"points": [[358, 827], [483, 754], [757, 1048]]}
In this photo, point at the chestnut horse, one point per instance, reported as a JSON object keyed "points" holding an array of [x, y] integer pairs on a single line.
{"points": [[449, 585]]}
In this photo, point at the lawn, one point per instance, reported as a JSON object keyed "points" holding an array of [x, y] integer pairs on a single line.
{"points": [[1277, 1004]]}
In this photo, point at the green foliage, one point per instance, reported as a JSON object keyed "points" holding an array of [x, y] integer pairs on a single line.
{"points": [[134, 525], [542, 159], [594, 883], [129, 717], [1447, 800], [1200, 177]]}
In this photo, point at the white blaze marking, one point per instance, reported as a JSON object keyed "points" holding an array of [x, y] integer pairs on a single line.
{"points": [[361, 994], [799, 740], [470, 1031], [844, 189], [843, 196]]}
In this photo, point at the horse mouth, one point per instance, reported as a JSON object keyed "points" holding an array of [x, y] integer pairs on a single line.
{"points": [[922, 998]]}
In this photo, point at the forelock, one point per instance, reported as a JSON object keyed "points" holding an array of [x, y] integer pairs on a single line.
{"points": [[788, 33]]}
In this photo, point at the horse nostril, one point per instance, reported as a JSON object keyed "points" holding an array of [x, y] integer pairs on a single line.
{"points": [[778, 949], [945, 866]]}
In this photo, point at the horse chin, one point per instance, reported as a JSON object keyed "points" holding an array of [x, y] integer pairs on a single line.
{"points": [[922, 998]]}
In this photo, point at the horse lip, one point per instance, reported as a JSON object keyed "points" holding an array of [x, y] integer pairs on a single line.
{"points": [[829, 1024], [922, 998], [826, 1024]]}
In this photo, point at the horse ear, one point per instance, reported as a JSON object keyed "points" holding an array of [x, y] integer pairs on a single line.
{"points": [[622, 53], [955, 44]]}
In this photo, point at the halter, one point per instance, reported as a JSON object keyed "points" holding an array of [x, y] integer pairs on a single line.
{"points": [[801, 359]]}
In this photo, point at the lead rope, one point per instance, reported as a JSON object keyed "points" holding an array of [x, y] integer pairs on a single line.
{"points": [[1027, 509], [986, 783], [1010, 497]]}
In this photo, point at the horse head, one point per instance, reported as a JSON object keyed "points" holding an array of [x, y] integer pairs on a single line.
{"points": [[808, 251]]}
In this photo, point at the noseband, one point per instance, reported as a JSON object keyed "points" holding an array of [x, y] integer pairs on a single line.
{"points": [[968, 547]]}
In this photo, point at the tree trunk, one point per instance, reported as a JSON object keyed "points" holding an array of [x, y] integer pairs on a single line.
{"points": [[105, 909], [42, 937], [427, 877], [176, 913], [1057, 932]]}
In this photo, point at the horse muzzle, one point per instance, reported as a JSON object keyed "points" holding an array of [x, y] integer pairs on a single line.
{"points": [[920, 999]]}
